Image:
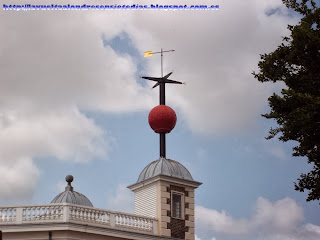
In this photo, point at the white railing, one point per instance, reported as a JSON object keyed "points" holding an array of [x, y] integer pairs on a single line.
{"points": [[88, 214], [7, 214], [132, 221], [75, 213], [42, 213]]}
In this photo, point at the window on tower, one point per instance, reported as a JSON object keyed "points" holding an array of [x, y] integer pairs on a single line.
{"points": [[177, 205]]}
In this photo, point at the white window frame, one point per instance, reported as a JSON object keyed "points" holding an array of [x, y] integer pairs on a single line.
{"points": [[182, 204]]}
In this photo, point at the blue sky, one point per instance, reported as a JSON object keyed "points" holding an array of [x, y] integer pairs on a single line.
{"points": [[71, 102]]}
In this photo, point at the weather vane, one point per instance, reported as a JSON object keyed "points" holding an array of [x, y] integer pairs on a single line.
{"points": [[163, 79], [162, 118]]}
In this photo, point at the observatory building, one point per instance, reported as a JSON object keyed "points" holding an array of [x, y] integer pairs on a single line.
{"points": [[164, 209]]}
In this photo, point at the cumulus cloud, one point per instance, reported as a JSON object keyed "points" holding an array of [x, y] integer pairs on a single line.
{"points": [[282, 219], [197, 238], [15, 184], [122, 200], [55, 66], [221, 95], [312, 228], [66, 135], [52, 71]]}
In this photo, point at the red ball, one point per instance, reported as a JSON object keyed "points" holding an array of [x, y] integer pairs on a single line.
{"points": [[162, 119]]}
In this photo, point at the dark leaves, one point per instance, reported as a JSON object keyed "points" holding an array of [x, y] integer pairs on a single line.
{"points": [[296, 62]]}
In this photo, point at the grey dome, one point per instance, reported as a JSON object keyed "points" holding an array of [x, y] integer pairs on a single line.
{"points": [[167, 167], [70, 196]]}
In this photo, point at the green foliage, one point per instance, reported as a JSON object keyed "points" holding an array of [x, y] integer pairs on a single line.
{"points": [[296, 62]]}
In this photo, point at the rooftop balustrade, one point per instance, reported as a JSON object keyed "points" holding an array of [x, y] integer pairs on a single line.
{"points": [[69, 213]]}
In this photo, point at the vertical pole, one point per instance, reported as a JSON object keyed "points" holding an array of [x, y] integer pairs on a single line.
{"points": [[163, 145], [162, 102], [162, 84], [161, 63]]}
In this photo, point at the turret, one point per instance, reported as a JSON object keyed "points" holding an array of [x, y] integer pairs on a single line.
{"points": [[165, 188]]}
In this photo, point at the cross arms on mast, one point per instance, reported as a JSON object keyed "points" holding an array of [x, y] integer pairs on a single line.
{"points": [[162, 80]]}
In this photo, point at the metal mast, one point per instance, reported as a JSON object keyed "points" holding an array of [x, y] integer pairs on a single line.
{"points": [[162, 94]]}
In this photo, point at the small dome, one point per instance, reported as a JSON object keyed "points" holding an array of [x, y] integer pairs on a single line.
{"points": [[167, 167], [70, 196]]}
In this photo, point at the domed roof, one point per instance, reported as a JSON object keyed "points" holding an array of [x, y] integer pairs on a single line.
{"points": [[167, 167], [70, 196]]}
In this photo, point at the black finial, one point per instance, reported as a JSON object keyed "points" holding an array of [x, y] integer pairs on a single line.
{"points": [[69, 179]]}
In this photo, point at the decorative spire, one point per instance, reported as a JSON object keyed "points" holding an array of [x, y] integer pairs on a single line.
{"points": [[163, 118]]}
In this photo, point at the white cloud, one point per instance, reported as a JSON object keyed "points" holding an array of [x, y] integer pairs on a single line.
{"points": [[221, 221], [122, 200], [197, 238], [312, 228], [281, 219], [67, 63], [221, 95], [64, 134], [54, 66], [15, 184]]}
